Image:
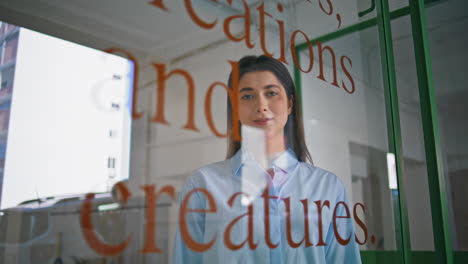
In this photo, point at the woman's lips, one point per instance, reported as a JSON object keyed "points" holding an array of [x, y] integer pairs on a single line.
{"points": [[262, 121]]}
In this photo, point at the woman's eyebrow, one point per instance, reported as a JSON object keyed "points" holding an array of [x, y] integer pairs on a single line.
{"points": [[270, 86], [246, 89], [249, 89]]}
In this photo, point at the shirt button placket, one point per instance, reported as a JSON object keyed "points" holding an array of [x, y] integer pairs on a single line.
{"points": [[275, 254]]}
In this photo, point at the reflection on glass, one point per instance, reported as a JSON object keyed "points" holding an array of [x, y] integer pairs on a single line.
{"points": [[2, 28], [301, 214], [414, 170], [9, 52], [53, 141], [182, 53], [445, 21], [346, 129]]}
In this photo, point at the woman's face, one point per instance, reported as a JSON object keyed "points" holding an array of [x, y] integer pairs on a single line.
{"points": [[263, 103]]}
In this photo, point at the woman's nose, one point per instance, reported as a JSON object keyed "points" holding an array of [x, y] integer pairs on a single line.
{"points": [[261, 105]]}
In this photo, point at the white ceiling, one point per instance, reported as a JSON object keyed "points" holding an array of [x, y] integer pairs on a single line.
{"points": [[134, 25]]}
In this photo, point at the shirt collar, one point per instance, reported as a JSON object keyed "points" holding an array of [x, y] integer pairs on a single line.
{"points": [[286, 161]]}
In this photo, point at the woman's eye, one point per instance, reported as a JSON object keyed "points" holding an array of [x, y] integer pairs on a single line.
{"points": [[247, 97], [272, 93]]}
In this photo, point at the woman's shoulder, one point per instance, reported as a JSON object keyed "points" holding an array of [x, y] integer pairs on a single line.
{"points": [[216, 171], [313, 169], [316, 173], [216, 168]]}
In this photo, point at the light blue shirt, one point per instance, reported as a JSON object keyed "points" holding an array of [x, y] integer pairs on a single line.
{"points": [[302, 182]]}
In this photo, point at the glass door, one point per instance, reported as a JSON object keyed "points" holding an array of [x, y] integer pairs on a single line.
{"points": [[352, 122]]}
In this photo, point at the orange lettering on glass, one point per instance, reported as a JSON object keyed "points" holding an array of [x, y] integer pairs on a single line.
{"points": [[151, 197], [90, 236]]}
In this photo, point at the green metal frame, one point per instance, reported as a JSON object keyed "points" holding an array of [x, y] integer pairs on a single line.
{"points": [[367, 11], [392, 257], [443, 252], [393, 119], [435, 173]]}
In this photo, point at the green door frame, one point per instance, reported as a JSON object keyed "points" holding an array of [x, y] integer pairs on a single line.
{"points": [[438, 198]]}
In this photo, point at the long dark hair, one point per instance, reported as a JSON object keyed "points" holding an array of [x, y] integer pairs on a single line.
{"points": [[294, 128]]}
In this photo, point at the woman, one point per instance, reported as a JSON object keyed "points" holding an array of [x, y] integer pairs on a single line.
{"points": [[300, 213]]}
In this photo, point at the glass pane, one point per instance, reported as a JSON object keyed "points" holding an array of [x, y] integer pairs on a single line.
{"points": [[397, 4], [177, 191], [346, 130], [415, 170], [65, 111], [445, 21]]}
